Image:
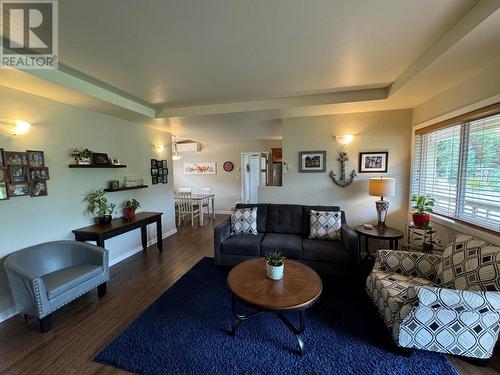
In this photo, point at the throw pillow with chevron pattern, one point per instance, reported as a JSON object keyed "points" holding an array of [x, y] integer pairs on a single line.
{"points": [[244, 221], [325, 225]]}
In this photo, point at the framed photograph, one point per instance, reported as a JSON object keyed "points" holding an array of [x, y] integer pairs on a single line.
{"points": [[39, 188], [115, 161], [312, 161], [15, 158], [153, 163], [2, 163], [155, 172], [100, 159], [164, 164], [39, 173], [35, 158], [19, 190], [4, 174], [18, 173], [373, 162], [165, 179], [3, 191], [159, 164], [200, 168], [154, 180], [160, 171], [165, 171]]}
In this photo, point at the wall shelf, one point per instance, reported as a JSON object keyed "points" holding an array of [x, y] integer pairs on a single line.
{"points": [[123, 188], [96, 166]]}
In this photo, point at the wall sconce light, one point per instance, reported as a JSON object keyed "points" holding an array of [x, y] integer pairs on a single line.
{"points": [[344, 139], [14, 128], [159, 148]]}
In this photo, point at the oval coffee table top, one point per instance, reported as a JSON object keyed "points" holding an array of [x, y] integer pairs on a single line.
{"points": [[299, 288]]}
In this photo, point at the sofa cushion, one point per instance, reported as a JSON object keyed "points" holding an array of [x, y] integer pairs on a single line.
{"points": [[261, 214], [306, 216], [470, 263], [325, 225], [324, 251], [284, 218], [243, 244], [244, 221], [58, 282], [290, 245]]}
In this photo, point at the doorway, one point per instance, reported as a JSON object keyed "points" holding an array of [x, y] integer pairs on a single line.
{"points": [[253, 175]]}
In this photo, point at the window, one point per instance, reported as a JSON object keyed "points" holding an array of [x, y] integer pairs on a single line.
{"points": [[458, 164]]}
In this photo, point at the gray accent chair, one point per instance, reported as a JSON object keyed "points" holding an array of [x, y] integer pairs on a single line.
{"points": [[287, 227], [47, 276]]}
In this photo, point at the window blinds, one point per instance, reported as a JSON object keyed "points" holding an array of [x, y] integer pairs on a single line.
{"points": [[459, 166]]}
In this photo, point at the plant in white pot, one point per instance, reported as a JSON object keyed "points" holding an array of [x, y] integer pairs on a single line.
{"points": [[275, 264]]}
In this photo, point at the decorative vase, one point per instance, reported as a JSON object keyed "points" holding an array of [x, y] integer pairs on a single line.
{"points": [[128, 214], [83, 160], [106, 219], [275, 272], [421, 220]]}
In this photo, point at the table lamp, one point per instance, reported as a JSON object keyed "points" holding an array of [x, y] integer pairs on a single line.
{"points": [[381, 187]]}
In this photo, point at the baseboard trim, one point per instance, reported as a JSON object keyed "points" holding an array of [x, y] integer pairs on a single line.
{"points": [[223, 212], [10, 312]]}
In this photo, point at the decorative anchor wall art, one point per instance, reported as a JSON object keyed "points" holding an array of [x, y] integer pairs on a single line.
{"points": [[341, 179]]}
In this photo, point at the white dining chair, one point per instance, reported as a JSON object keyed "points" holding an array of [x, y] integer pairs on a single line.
{"points": [[184, 190], [206, 203], [185, 207]]}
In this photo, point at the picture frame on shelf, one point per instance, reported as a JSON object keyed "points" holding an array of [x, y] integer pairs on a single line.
{"points": [[206, 168], [100, 158], [35, 158], [373, 162], [115, 161], [39, 188], [18, 173], [4, 174], [312, 161], [15, 158], [39, 173], [19, 190], [4, 194]]}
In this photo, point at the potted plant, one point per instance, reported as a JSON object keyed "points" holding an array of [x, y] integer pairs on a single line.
{"points": [[423, 205], [274, 264], [82, 155], [98, 205], [129, 209]]}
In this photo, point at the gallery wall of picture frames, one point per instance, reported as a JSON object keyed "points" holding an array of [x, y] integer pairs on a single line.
{"points": [[23, 173], [159, 172]]}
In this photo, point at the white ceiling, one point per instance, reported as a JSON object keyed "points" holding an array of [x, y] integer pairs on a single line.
{"points": [[198, 51]]}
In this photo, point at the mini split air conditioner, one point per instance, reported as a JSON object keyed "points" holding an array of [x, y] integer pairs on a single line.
{"points": [[188, 147]]}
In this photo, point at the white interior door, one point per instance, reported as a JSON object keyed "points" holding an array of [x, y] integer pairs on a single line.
{"points": [[251, 176]]}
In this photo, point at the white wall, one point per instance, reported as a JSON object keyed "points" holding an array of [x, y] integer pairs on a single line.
{"points": [[374, 131], [225, 185], [56, 129]]}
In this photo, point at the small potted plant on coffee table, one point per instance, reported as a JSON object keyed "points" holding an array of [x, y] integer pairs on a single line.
{"points": [[98, 205], [275, 264], [129, 209], [82, 155], [423, 205]]}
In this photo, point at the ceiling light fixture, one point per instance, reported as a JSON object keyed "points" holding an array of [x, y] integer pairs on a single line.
{"points": [[14, 127]]}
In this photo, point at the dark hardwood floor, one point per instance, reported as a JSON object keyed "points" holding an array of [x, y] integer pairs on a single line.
{"points": [[86, 325]]}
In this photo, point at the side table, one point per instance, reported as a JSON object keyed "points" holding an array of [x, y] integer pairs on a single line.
{"points": [[386, 233]]}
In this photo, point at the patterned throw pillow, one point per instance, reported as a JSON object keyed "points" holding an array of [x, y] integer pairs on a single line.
{"points": [[325, 225], [244, 221], [470, 263]]}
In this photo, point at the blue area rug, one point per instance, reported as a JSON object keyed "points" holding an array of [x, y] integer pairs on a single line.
{"points": [[186, 332]]}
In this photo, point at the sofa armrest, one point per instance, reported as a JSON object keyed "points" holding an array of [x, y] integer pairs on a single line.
{"points": [[221, 233], [86, 253], [458, 300], [349, 239], [408, 263]]}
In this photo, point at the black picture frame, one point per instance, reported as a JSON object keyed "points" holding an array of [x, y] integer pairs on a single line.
{"points": [[366, 165], [4, 174], [15, 192], [15, 158], [100, 159], [36, 159], [39, 188], [153, 163], [41, 173], [154, 180], [164, 164], [312, 155], [165, 179], [18, 174]]}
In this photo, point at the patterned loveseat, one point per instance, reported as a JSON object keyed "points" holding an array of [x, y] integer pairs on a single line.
{"points": [[448, 304]]}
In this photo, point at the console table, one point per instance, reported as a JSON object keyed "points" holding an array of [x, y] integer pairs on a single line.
{"points": [[100, 233]]}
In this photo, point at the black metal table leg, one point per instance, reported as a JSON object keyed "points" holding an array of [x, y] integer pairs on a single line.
{"points": [[296, 331], [240, 318]]}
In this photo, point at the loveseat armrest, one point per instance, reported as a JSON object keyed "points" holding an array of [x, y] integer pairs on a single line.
{"points": [[408, 263], [85, 253], [350, 241], [458, 300], [221, 233]]}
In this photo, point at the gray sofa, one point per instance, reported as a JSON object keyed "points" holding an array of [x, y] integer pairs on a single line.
{"points": [[44, 277], [287, 227]]}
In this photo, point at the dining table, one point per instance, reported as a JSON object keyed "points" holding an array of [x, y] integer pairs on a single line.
{"points": [[199, 199]]}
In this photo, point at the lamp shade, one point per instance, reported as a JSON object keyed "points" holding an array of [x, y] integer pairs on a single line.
{"points": [[382, 187]]}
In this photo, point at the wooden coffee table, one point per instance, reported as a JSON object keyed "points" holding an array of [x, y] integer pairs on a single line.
{"points": [[299, 288]]}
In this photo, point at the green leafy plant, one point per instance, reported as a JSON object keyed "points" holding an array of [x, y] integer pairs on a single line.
{"points": [[423, 203], [98, 205], [132, 204], [79, 153], [274, 258]]}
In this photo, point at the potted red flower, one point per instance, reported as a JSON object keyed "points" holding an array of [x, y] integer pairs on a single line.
{"points": [[423, 205], [129, 209]]}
